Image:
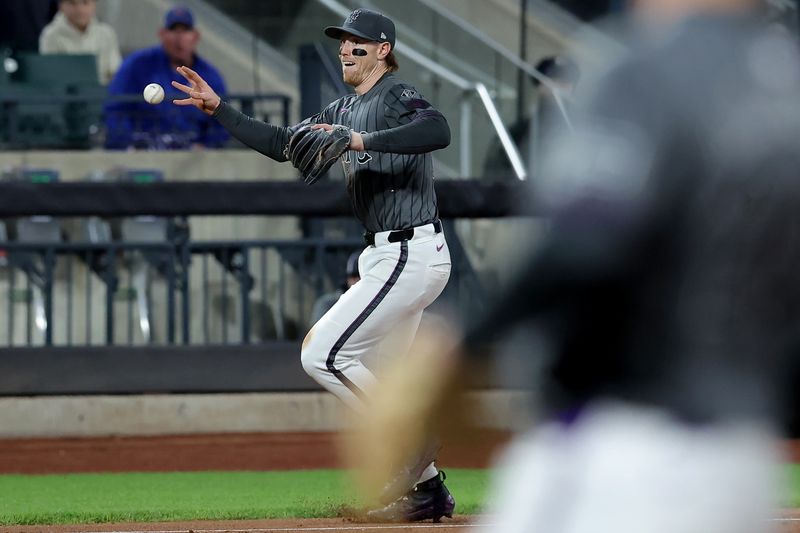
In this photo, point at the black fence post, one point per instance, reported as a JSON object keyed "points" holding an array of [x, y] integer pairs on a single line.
{"points": [[310, 81], [110, 289], [49, 260], [244, 287], [186, 259], [171, 296], [285, 111]]}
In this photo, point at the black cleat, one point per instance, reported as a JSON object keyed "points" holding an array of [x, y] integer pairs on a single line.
{"points": [[403, 482], [429, 500]]}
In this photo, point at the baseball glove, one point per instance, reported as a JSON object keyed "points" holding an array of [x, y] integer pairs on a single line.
{"points": [[313, 152]]}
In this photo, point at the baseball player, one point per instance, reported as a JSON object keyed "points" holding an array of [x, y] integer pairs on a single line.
{"points": [[385, 133]]}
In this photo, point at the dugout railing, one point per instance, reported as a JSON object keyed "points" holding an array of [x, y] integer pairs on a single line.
{"points": [[200, 293], [84, 285], [177, 270], [166, 288]]}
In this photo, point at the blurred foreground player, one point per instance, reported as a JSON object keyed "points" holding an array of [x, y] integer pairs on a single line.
{"points": [[391, 131], [668, 288]]}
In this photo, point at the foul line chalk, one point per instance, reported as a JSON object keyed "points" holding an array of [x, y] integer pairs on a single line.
{"points": [[286, 529]]}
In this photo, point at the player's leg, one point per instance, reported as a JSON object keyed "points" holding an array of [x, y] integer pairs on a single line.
{"points": [[417, 490], [435, 255], [434, 262], [395, 345], [390, 292]]}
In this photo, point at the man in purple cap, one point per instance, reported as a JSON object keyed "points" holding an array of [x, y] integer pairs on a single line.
{"points": [[141, 125], [388, 168]]}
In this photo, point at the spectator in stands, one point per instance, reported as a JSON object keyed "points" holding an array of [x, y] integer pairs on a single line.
{"points": [[326, 301], [76, 30], [140, 125], [552, 109], [22, 21]]}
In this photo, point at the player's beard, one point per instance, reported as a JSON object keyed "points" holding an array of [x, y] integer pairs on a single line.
{"points": [[350, 77], [356, 77]]}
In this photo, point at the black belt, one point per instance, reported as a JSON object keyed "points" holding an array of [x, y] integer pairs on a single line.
{"points": [[401, 235]]}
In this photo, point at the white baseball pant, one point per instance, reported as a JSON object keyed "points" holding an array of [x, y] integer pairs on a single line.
{"points": [[398, 281]]}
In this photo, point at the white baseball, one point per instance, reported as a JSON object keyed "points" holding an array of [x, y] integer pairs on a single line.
{"points": [[153, 93]]}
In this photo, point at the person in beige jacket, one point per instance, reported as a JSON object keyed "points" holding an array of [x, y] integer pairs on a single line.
{"points": [[76, 30]]}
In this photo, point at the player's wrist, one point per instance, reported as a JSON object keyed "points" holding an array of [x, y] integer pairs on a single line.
{"points": [[356, 141], [215, 108]]}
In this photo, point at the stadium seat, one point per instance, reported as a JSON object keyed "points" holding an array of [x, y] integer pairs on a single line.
{"points": [[56, 69], [31, 116], [41, 230], [144, 229], [35, 114], [83, 120]]}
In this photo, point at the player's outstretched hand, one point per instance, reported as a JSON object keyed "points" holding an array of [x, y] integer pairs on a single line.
{"points": [[356, 141], [200, 94]]}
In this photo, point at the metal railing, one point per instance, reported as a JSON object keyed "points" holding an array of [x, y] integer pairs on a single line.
{"points": [[163, 293], [145, 293]]}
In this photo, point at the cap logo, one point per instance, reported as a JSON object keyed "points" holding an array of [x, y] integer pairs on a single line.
{"points": [[353, 16], [383, 35]]}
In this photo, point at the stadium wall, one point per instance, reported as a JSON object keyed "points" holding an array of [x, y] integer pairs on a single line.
{"points": [[178, 414]]}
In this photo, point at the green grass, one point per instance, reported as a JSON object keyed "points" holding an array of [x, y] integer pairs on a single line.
{"points": [[792, 498], [139, 497]]}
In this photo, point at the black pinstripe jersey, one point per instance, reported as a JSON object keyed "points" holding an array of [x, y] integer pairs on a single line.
{"points": [[389, 189]]}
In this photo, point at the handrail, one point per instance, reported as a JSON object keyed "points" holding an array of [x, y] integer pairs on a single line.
{"points": [[505, 138], [491, 43]]}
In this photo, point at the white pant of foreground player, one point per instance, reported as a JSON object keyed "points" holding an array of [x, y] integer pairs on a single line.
{"points": [[626, 469], [398, 281]]}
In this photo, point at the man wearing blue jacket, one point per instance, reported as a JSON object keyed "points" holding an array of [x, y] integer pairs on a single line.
{"points": [[141, 125]]}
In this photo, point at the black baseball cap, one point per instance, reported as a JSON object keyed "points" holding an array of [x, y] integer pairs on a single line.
{"points": [[366, 24], [559, 68]]}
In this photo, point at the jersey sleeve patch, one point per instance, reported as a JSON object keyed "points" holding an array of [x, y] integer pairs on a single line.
{"points": [[414, 104], [403, 103]]}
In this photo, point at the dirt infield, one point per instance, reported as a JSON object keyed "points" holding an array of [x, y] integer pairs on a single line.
{"points": [[271, 451], [263, 451], [459, 524]]}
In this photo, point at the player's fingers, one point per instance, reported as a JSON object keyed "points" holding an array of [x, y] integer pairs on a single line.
{"points": [[190, 75], [182, 87], [326, 127], [187, 101]]}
